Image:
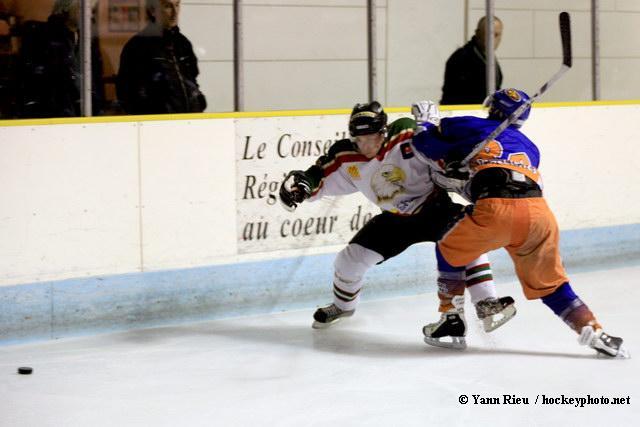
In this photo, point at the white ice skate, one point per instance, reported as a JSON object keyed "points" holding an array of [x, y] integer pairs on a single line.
{"points": [[451, 326], [603, 343], [495, 312]]}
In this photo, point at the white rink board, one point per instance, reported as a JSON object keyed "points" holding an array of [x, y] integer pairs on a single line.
{"points": [[589, 163], [186, 213], [68, 201], [92, 199]]}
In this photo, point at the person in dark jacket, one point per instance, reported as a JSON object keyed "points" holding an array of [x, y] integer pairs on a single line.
{"points": [[158, 68], [50, 69], [465, 79]]}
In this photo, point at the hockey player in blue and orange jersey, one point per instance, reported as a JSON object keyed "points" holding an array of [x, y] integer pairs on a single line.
{"points": [[509, 212], [379, 161]]}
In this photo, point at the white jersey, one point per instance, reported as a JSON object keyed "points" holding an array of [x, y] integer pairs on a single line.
{"points": [[398, 179]]}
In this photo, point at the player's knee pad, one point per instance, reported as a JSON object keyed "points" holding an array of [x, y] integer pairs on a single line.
{"points": [[443, 265], [353, 262]]}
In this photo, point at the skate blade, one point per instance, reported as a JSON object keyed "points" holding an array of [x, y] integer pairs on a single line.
{"points": [[319, 325], [492, 323], [457, 343], [622, 353]]}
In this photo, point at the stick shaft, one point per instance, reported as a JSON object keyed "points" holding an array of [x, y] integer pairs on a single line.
{"points": [[565, 37]]}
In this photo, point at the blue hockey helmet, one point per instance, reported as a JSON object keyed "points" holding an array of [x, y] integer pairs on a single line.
{"points": [[504, 102], [367, 119]]}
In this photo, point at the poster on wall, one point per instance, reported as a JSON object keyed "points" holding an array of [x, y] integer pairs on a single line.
{"points": [[266, 150]]}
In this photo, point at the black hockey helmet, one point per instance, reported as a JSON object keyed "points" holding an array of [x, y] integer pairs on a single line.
{"points": [[367, 119]]}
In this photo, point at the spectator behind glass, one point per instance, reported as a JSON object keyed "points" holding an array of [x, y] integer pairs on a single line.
{"points": [[158, 68], [465, 79], [50, 69]]}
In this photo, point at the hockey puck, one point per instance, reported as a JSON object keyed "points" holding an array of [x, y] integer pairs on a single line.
{"points": [[25, 370]]}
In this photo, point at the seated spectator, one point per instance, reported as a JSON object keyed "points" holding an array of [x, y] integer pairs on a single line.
{"points": [[465, 80], [158, 68]]}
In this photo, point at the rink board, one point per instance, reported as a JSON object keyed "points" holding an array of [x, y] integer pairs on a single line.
{"points": [[111, 223]]}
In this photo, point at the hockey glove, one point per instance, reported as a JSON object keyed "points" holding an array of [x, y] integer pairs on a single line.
{"points": [[456, 170], [426, 113], [295, 188], [459, 186]]}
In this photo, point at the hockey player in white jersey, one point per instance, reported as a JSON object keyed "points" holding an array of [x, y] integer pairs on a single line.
{"points": [[380, 162]]}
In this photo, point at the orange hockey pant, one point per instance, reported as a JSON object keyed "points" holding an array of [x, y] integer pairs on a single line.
{"points": [[526, 228]]}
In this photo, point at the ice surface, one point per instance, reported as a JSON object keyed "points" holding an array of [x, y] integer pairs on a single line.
{"points": [[372, 369]]}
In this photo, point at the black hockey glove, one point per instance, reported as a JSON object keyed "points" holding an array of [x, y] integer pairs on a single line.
{"points": [[295, 188], [456, 170]]}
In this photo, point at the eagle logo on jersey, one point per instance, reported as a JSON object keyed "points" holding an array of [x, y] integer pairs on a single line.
{"points": [[388, 182]]}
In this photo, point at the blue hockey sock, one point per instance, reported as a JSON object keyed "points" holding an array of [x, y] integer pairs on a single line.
{"points": [[561, 299], [566, 305], [451, 282]]}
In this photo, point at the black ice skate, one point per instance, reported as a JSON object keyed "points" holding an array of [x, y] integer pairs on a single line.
{"points": [[495, 312], [603, 343], [451, 325], [327, 316]]}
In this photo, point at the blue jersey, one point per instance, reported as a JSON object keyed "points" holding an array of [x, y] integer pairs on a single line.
{"points": [[457, 136]]}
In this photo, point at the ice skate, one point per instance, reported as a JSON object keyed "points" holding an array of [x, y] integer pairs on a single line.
{"points": [[451, 325], [495, 312], [327, 316], [603, 343]]}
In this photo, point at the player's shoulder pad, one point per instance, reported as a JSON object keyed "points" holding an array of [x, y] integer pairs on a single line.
{"points": [[400, 125], [402, 128], [462, 127], [341, 146]]}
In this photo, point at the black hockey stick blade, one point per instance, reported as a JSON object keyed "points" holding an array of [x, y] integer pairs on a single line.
{"points": [[565, 35]]}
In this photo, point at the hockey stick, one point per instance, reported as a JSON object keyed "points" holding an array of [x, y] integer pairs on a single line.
{"points": [[565, 35]]}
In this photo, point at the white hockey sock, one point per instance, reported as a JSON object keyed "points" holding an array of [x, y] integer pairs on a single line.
{"points": [[479, 279], [350, 266]]}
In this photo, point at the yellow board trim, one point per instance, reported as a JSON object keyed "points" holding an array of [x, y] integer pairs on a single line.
{"points": [[281, 113]]}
